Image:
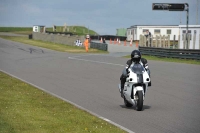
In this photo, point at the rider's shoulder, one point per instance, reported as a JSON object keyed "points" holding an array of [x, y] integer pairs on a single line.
{"points": [[144, 60], [129, 62]]}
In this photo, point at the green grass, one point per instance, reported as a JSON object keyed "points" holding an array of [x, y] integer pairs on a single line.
{"points": [[78, 30], [50, 45], [26, 109], [22, 32], [187, 61], [11, 29], [18, 30]]}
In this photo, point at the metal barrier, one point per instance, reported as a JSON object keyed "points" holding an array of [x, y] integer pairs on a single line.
{"points": [[65, 33], [108, 37], [100, 46], [172, 53]]}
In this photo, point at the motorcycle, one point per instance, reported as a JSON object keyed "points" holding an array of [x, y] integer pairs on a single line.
{"points": [[136, 85]]}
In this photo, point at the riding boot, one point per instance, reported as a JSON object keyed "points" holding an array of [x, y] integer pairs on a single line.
{"points": [[122, 89], [123, 80], [149, 84], [148, 71]]}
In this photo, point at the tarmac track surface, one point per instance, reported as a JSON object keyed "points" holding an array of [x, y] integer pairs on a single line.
{"points": [[90, 81]]}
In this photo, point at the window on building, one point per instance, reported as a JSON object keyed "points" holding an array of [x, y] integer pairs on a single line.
{"points": [[169, 31], [157, 31], [184, 31], [144, 31]]}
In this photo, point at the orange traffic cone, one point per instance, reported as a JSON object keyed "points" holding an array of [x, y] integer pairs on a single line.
{"points": [[124, 42], [136, 44], [110, 41]]}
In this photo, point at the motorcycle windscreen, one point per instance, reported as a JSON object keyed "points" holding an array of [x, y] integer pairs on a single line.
{"points": [[138, 69]]}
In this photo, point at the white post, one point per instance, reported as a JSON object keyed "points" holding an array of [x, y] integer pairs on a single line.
{"points": [[199, 41], [164, 41], [184, 41], [168, 39], [44, 30], [140, 40], [189, 37], [194, 40], [148, 41], [160, 45], [178, 41], [156, 41]]}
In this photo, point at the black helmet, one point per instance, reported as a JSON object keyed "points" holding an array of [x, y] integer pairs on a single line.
{"points": [[135, 56]]}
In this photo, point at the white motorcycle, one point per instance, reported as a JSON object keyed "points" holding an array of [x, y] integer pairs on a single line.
{"points": [[135, 86]]}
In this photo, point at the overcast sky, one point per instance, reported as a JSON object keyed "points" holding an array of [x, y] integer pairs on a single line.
{"points": [[103, 16]]}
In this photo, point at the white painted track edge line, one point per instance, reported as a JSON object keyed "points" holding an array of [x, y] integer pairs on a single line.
{"points": [[74, 58]]}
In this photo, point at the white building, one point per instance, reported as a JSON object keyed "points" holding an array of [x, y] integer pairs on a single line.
{"points": [[174, 31], [38, 28], [194, 32], [135, 31]]}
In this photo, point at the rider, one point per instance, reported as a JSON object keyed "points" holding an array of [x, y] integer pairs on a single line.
{"points": [[135, 58]]}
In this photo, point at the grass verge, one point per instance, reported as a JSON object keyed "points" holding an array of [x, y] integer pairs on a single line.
{"points": [[78, 30], [22, 32], [26, 109], [187, 61], [50, 45]]}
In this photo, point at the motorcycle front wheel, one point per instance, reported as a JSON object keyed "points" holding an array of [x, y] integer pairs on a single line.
{"points": [[139, 104]]}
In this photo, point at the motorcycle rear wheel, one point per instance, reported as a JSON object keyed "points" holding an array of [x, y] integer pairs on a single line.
{"points": [[139, 105]]}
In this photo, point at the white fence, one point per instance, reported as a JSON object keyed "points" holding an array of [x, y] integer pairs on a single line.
{"points": [[158, 41], [164, 42]]}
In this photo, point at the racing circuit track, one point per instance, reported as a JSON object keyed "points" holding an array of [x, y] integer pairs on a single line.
{"points": [[90, 81]]}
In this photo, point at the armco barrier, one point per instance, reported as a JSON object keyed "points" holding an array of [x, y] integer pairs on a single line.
{"points": [[100, 46], [65, 33], [172, 53]]}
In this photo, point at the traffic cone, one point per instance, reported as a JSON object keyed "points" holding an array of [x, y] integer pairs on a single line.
{"points": [[110, 41], [124, 42], [119, 42]]}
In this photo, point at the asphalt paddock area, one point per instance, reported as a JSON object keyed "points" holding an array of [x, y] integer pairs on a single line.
{"points": [[91, 82]]}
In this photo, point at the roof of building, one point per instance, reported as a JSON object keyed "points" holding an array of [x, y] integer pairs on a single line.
{"points": [[191, 26], [153, 25], [162, 26], [39, 25]]}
